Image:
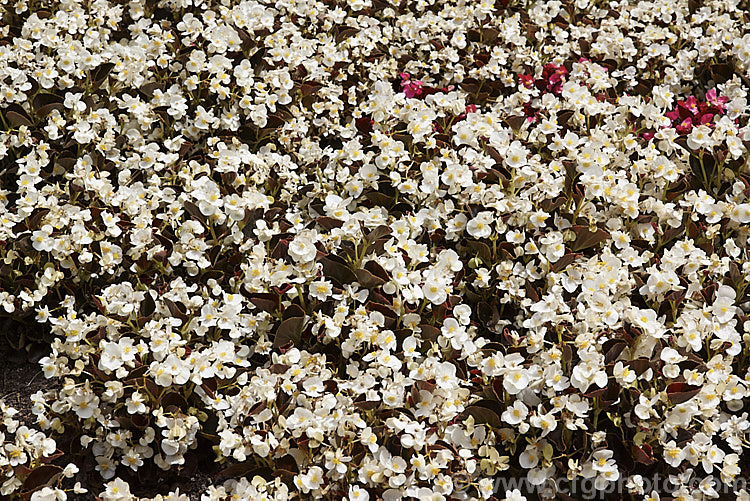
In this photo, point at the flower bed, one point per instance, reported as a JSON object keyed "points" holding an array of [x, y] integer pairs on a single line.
{"points": [[428, 249]]}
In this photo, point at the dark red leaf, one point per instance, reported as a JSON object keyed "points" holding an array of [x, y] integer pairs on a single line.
{"points": [[41, 476], [483, 414], [17, 119], [681, 392], [429, 332], [290, 330], [643, 454], [368, 280], [586, 238], [329, 223]]}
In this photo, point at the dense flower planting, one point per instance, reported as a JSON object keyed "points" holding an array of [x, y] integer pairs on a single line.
{"points": [[371, 250]]}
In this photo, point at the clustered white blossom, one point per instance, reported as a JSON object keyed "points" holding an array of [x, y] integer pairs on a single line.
{"points": [[375, 250]]}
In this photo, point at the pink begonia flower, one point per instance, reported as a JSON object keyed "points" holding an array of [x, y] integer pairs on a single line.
{"points": [[672, 115], [554, 74], [685, 126], [412, 88], [692, 104], [526, 80], [691, 112], [717, 101]]}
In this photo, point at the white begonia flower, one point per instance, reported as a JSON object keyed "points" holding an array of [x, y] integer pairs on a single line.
{"points": [[450, 260], [321, 289], [121, 299], [492, 366], [646, 320], [111, 356], [445, 375], [70, 470], [515, 379], [15, 454], [723, 307], [623, 373], [462, 312], [516, 155], [49, 494], [311, 480], [699, 137], [357, 493], [516, 413], [135, 403], [434, 290], [117, 490], [589, 371], [481, 225], [673, 454], [302, 247], [514, 495], [546, 422]]}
